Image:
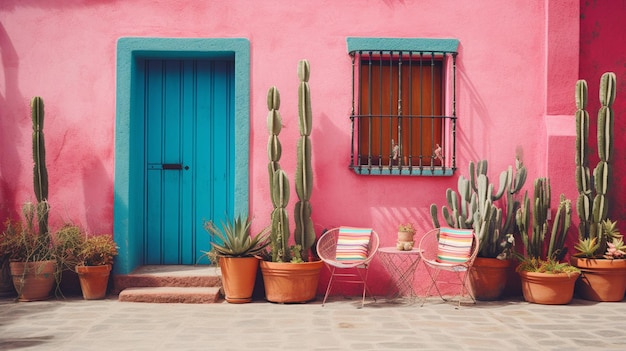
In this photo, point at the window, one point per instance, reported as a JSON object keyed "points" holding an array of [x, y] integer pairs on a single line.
{"points": [[403, 106]]}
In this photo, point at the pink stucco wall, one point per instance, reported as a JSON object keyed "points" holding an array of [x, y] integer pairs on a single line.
{"points": [[517, 65]]}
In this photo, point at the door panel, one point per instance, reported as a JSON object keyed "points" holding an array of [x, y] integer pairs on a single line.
{"points": [[188, 106]]}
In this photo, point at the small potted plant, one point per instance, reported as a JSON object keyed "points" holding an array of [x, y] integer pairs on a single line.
{"points": [[406, 233], [545, 278], [95, 260], [237, 253], [68, 241]]}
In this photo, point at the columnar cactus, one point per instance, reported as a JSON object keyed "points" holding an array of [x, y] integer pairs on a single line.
{"points": [[475, 206], [40, 173], [279, 183], [593, 213], [534, 233], [305, 233]]}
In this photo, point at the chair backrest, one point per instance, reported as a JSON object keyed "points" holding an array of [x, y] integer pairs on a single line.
{"points": [[348, 245], [449, 246]]}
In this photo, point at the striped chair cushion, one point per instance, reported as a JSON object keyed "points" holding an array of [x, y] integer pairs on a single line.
{"points": [[455, 245], [352, 243]]}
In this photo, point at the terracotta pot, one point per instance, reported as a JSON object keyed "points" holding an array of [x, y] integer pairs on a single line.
{"points": [[488, 278], [94, 281], [33, 281], [405, 241], [601, 280], [238, 277], [291, 282], [548, 289]]}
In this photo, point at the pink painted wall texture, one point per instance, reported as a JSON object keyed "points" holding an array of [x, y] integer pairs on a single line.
{"points": [[516, 71]]}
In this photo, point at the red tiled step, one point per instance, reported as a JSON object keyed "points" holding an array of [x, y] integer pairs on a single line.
{"points": [[171, 294]]}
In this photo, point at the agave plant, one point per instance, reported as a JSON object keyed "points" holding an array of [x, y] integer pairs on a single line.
{"points": [[234, 239]]}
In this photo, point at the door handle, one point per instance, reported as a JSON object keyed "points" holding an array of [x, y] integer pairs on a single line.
{"points": [[173, 166]]}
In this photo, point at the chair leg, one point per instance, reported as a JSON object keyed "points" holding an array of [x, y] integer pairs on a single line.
{"points": [[365, 287], [330, 284]]}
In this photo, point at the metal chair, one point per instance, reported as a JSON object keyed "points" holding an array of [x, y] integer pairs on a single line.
{"points": [[347, 252], [451, 250]]}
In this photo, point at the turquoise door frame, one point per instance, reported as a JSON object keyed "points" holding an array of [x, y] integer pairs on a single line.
{"points": [[129, 187]]}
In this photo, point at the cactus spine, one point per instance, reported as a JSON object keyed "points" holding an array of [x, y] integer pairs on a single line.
{"points": [[534, 233], [475, 205], [40, 173], [305, 233], [279, 182], [592, 213]]}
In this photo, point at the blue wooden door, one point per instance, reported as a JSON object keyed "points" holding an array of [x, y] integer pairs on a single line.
{"points": [[189, 151]]}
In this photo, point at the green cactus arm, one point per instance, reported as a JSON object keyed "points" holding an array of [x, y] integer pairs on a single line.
{"points": [[434, 216], [582, 137], [581, 94], [607, 89], [450, 220], [605, 133], [505, 179], [304, 171], [273, 99]]}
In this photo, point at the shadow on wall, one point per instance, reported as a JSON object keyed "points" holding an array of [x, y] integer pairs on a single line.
{"points": [[477, 119], [11, 115], [98, 196]]}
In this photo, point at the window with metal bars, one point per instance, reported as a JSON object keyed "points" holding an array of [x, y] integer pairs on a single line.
{"points": [[403, 109]]}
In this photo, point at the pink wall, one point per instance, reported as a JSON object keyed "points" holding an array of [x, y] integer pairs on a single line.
{"points": [[517, 66], [602, 50]]}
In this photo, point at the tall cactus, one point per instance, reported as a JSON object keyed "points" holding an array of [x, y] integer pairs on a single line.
{"points": [[477, 206], [279, 183], [40, 172], [305, 233], [534, 232], [592, 213]]}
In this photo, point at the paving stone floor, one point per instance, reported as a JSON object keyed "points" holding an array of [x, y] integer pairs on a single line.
{"points": [[76, 324]]}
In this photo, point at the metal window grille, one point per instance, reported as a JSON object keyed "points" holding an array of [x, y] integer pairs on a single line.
{"points": [[403, 112]]}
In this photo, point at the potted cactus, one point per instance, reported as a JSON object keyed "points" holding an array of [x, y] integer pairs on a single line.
{"points": [[600, 247], [492, 216], [546, 279], [290, 272], [27, 243], [237, 253]]}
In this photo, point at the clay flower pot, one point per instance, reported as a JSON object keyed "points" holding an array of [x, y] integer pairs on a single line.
{"points": [[488, 278], [238, 277], [602, 279], [33, 281], [548, 288], [291, 282], [94, 281]]}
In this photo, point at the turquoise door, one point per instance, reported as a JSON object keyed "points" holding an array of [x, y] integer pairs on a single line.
{"points": [[189, 145]]}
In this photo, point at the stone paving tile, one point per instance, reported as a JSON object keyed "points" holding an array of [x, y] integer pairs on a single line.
{"points": [[75, 324]]}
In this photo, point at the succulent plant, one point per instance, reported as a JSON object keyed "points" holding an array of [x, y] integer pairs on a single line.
{"points": [[235, 238]]}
